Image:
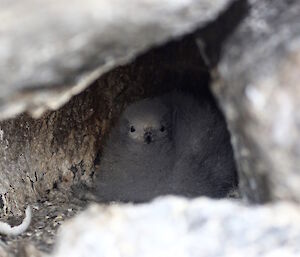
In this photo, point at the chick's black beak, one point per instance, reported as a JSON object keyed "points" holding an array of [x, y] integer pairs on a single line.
{"points": [[148, 137]]}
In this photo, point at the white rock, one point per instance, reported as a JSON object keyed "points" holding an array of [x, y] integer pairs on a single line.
{"points": [[173, 226]]}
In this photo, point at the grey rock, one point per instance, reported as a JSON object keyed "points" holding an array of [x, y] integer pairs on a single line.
{"points": [[52, 51], [179, 227], [257, 87]]}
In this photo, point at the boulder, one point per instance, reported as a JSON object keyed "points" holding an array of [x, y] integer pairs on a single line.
{"points": [[172, 226], [51, 51], [257, 85]]}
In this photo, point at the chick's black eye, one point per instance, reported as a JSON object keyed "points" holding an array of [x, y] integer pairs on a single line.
{"points": [[132, 129], [162, 128]]}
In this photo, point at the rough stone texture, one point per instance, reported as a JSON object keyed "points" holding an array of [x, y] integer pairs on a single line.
{"points": [[179, 227], [41, 234], [47, 156], [258, 89], [61, 47]]}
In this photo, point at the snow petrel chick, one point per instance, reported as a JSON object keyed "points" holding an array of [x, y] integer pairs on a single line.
{"points": [[172, 144]]}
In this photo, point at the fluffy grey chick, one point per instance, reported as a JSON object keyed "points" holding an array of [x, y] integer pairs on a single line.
{"points": [[172, 144], [204, 163], [139, 154]]}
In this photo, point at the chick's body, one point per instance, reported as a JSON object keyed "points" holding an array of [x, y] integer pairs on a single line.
{"points": [[138, 153], [171, 144], [204, 163]]}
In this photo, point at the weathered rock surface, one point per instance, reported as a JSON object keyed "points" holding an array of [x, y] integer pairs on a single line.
{"points": [[52, 50], [41, 234], [258, 89], [178, 227]]}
